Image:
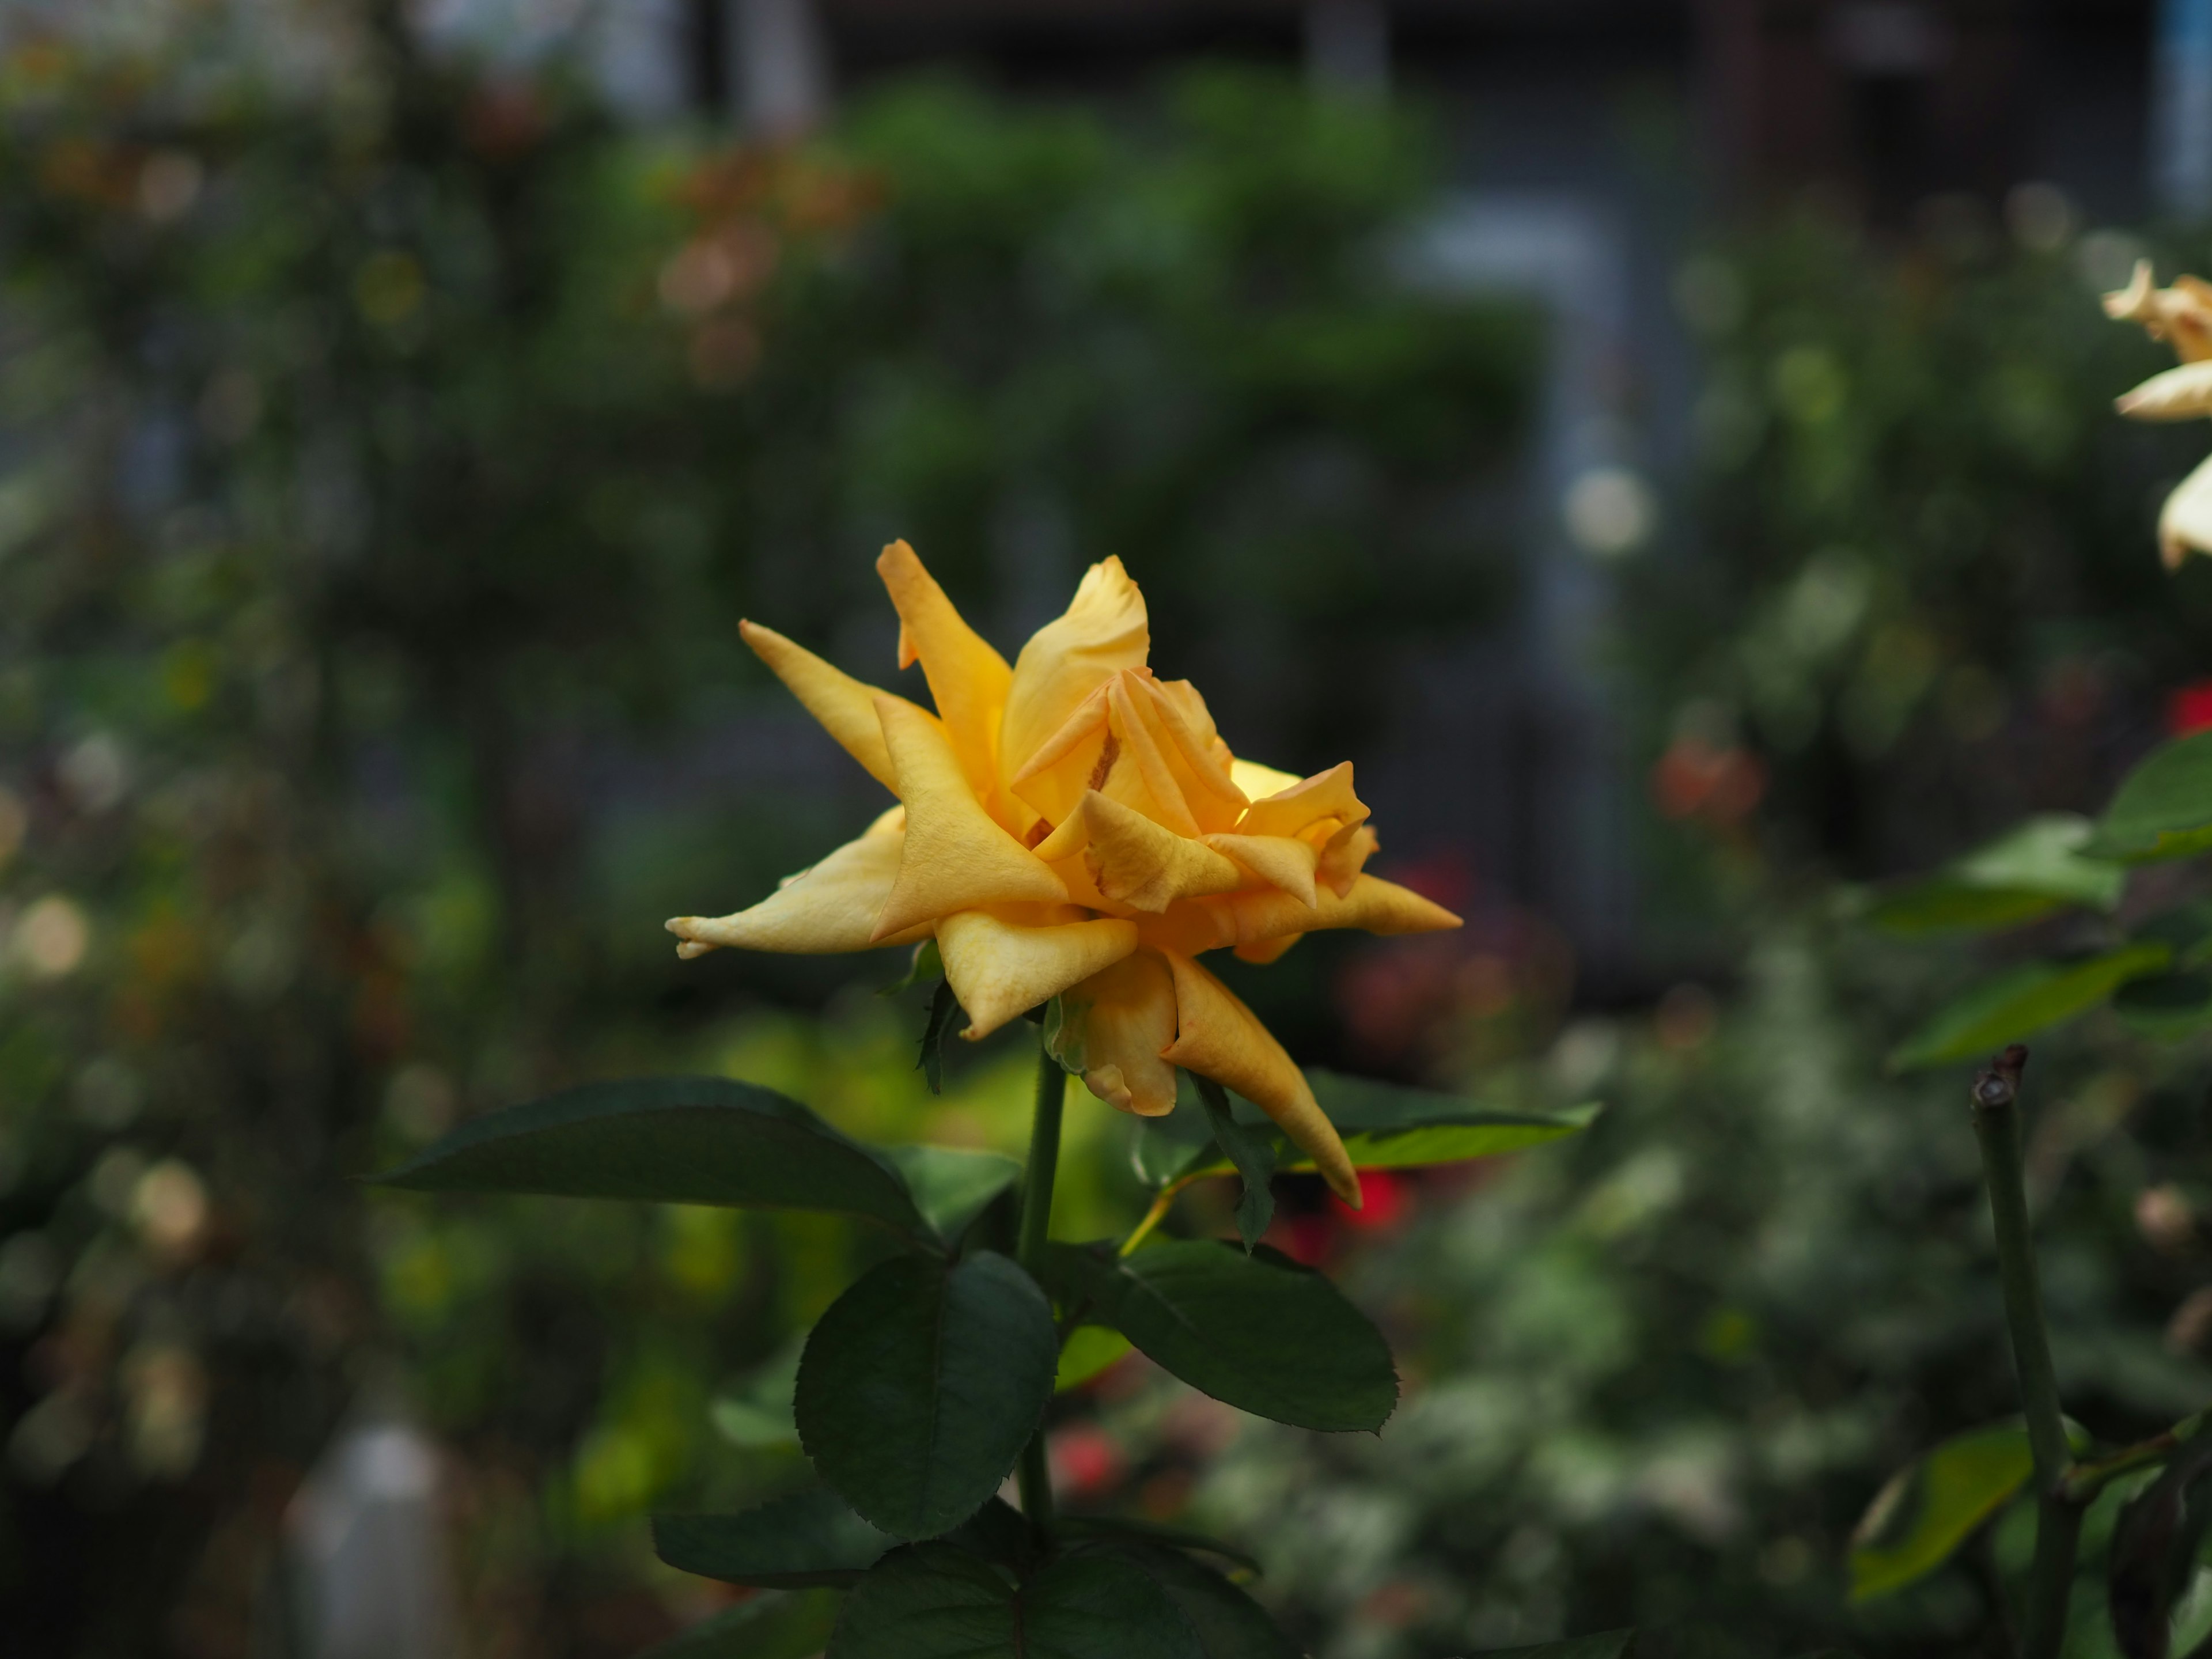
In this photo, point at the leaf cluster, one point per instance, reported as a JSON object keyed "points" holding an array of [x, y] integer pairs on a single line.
{"points": [[922, 1383], [2071, 874]]}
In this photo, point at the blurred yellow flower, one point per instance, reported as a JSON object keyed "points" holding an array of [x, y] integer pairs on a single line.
{"points": [[2181, 315], [1074, 826]]}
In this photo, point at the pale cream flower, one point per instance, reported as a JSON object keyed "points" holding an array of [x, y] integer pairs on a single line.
{"points": [[2182, 316]]}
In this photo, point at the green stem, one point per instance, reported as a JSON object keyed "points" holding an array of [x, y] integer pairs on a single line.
{"points": [[1151, 1218], [1034, 1475], [2085, 1481], [2057, 1516]]}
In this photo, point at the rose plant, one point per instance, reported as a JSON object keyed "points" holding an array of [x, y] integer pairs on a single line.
{"points": [[2141, 949], [1071, 835]]}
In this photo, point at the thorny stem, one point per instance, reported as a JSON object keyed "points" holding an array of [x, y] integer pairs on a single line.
{"points": [[2057, 1515], [1034, 1473]]}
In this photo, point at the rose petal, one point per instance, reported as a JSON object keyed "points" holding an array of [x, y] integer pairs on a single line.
{"points": [[957, 856], [1103, 630], [1113, 1028], [828, 908], [2185, 524], [1001, 970], [967, 678], [2178, 394], [1140, 864], [1218, 1036], [1281, 862], [1324, 795], [845, 706]]}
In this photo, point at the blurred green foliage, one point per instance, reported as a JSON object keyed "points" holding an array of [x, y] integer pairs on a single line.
{"points": [[388, 458], [1657, 1373], [1925, 594]]}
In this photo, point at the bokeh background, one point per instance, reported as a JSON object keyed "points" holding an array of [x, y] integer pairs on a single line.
{"points": [[1667, 447]]}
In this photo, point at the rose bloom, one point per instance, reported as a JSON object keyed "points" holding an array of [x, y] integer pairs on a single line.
{"points": [[2182, 316], [1074, 827]]}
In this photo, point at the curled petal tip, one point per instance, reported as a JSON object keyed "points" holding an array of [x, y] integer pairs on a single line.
{"points": [[2124, 304], [691, 949], [680, 926]]}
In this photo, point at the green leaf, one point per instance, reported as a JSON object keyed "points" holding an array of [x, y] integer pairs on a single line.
{"points": [[1151, 1532], [757, 1411], [1252, 1150], [998, 1534], [2187, 928], [2163, 809], [672, 1140], [943, 1015], [2025, 999], [1229, 1624], [1610, 1645], [809, 1538], [921, 1385], [933, 1601], [1259, 1331], [2166, 1005], [1933, 1505], [1384, 1127], [2031, 870], [1165, 1149], [953, 1185], [773, 1626], [926, 969], [1089, 1350]]}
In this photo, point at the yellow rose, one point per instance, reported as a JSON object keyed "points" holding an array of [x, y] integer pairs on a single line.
{"points": [[2183, 315], [1074, 827]]}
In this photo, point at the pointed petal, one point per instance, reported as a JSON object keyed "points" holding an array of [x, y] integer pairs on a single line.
{"points": [[967, 677], [1113, 1027], [956, 855], [2178, 394], [1373, 906], [1345, 855], [1324, 795], [828, 908], [846, 706], [1001, 970], [1281, 862], [1103, 631], [1138, 863], [1218, 1036], [2185, 524]]}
